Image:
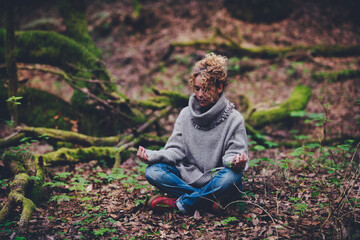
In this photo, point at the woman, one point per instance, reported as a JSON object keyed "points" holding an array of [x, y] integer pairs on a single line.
{"points": [[203, 160]]}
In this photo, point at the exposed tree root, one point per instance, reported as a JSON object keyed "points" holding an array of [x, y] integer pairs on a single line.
{"points": [[17, 195], [240, 49]]}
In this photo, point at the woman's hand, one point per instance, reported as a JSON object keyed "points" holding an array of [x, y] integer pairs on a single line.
{"points": [[239, 161], [141, 154]]}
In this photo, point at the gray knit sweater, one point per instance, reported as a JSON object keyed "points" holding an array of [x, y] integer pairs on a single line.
{"points": [[204, 142]]}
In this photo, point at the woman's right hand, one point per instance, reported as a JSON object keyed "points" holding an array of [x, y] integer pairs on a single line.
{"points": [[141, 154]]}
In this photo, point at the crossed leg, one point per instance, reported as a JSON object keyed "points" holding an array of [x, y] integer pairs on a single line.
{"points": [[225, 186]]}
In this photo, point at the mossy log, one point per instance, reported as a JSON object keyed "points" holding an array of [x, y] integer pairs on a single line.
{"points": [[164, 99], [72, 156], [334, 76], [69, 136], [236, 48], [296, 102]]}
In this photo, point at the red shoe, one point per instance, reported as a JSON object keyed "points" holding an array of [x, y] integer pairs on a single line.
{"points": [[161, 203], [217, 209]]}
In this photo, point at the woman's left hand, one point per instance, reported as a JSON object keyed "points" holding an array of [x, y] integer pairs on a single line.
{"points": [[239, 161]]}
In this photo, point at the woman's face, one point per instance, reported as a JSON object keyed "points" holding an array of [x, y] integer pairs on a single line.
{"points": [[208, 97]]}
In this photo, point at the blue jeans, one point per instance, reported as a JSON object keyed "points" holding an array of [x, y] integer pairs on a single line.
{"points": [[224, 187]]}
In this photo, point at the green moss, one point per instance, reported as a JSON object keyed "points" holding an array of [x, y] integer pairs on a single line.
{"points": [[297, 101], [335, 50], [13, 160], [74, 18], [36, 190], [5, 211], [64, 155], [39, 108], [335, 75], [18, 186], [55, 49], [176, 99]]}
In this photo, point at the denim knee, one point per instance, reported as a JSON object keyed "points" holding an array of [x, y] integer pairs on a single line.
{"points": [[156, 171], [228, 178], [153, 172]]}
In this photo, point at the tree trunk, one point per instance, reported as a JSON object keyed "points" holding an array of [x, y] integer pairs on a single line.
{"points": [[73, 13], [11, 61]]}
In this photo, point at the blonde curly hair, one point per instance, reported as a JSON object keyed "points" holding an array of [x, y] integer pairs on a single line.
{"points": [[213, 71]]}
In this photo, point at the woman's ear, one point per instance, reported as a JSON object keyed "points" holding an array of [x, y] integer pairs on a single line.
{"points": [[220, 89]]}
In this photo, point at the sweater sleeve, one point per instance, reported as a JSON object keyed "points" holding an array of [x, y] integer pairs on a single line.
{"points": [[173, 151], [237, 143]]}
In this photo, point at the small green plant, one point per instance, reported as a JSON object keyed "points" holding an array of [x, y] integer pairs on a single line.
{"points": [[318, 118], [234, 64], [60, 198], [103, 231], [20, 238], [290, 71], [141, 168], [300, 208], [63, 175], [14, 100], [110, 220], [6, 226], [294, 199], [139, 202], [228, 220], [78, 183], [297, 64], [4, 182], [55, 184]]}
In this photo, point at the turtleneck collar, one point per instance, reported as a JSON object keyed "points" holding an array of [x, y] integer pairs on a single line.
{"points": [[206, 120]]}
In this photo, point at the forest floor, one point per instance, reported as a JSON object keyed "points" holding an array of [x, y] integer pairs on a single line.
{"points": [[310, 192]]}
